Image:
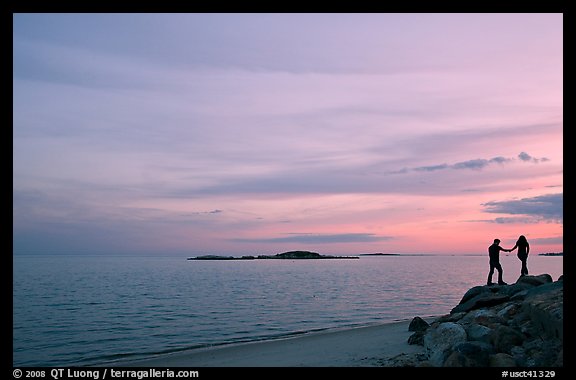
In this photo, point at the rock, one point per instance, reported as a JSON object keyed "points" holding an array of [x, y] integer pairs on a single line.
{"points": [[504, 338], [509, 311], [456, 359], [501, 360], [481, 300], [440, 339], [485, 317], [476, 332], [473, 292], [546, 311], [469, 354], [542, 353], [535, 280], [418, 324], [454, 317], [518, 287], [417, 338]]}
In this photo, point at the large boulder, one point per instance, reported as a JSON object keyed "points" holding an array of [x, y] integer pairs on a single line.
{"points": [[469, 354], [418, 324], [440, 339], [546, 311], [483, 299], [503, 338], [480, 333], [535, 280]]}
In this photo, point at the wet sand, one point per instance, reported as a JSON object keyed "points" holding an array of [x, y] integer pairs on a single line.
{"points": [[353, 347]]}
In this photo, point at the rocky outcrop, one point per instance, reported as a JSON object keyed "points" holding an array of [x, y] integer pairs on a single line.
{"points": [[518, 325]]}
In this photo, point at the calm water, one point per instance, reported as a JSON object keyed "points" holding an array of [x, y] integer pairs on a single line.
{"points": [[73, 311]]}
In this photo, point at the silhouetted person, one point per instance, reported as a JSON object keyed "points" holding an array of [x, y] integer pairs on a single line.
{"points": [[494, 253], [523, 251]]}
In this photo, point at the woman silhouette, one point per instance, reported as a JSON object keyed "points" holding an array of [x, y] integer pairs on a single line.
{"points": [[523, 251]]}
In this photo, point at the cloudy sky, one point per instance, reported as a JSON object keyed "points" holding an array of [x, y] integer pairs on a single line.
{"points": [[261, 133]]}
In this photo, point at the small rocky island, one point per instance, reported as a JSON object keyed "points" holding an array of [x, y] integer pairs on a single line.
{"points": [[551, 254], [291, 255]]}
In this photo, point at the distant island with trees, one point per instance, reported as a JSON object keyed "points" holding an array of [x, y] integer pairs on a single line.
{"points": [[291, 255]]}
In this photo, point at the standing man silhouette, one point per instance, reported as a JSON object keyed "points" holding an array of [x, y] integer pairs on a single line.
{"points": [[494, 253]]}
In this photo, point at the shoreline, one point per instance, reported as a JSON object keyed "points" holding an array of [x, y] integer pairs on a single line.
{"points": [[365, 346]]}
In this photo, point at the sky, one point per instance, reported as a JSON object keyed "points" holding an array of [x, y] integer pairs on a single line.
{"points": [[338, 133]]}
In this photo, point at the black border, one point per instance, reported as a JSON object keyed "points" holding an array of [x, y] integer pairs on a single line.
{"points": [[501, 6]]}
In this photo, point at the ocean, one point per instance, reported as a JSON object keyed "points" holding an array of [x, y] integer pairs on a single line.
{"points": [[101, 310]]}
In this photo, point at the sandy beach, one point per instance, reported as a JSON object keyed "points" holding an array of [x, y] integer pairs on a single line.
{"points": [[354, 347]]}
